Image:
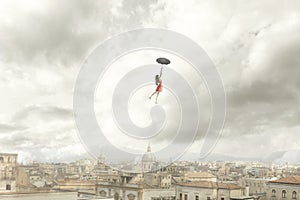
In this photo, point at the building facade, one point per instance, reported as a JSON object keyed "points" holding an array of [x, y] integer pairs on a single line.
{"points": [[284, 188], [13, 178], [8, 173], [257, 186], [128, 191], [207, 190]]}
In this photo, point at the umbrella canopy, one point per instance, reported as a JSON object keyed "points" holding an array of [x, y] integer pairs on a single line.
{"points": [[163, 61]]}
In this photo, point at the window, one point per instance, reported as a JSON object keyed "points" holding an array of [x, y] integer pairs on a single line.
{"points": [[131, 196], [196, 197], [185, 197], [8, 187], [283, 194], [208, 198], [222, 198], [102, 193], [294, 195], [1, 159], [273, 193], [180, 196], [116, 196]]}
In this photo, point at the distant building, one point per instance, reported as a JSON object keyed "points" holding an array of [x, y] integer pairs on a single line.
{"points": [[260, 172], [257, 186], [149, 162], [159, 179], [284, 188], [175, 169], [200, 176]]}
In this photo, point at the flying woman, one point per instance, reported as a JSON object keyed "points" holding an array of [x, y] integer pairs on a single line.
{"points": [[159, 87], [158, 79]]}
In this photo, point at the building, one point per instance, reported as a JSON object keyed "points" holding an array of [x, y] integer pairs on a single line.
{"points": [[256, 185], [8, 165], [149, 162], [158, 179], [200, 176], [127, 191], [77, 185], [41, 195], [260, 172], [209, 190], [13, 178], [284, 188]]}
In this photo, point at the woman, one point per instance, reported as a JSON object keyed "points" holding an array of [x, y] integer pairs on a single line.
{"points": [[159, 87]]}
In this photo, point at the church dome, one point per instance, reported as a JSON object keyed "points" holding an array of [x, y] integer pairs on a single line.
{"points": [[148, 156]]}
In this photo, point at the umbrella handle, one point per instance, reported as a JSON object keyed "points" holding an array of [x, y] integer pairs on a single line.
{"points": [[161, 69]]}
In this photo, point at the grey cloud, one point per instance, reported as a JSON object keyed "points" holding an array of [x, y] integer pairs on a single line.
{"points": [[67, 30], [45, 113], [273, 96], [10, 127], [50, 34]]}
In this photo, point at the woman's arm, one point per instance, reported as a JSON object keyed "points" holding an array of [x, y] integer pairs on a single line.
{"points": [[160, 72]]}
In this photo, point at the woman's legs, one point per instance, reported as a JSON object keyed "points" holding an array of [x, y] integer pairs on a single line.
{"points": [[157, 93], [152, 94], [157, 97]]}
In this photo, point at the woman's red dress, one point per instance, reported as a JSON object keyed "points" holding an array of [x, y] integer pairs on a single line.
{"points": [[159, 87]]}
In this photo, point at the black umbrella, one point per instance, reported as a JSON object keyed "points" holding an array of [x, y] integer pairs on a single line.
{"points": [[163, 61]]}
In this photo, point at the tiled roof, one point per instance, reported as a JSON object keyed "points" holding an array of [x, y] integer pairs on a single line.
{"points": [[210, 184], [288, 180]]}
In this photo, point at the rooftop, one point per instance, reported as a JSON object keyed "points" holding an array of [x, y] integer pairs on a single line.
{"points": [[210, 185], [8, 154], [77, 182], [288, 180], [200, 175]]}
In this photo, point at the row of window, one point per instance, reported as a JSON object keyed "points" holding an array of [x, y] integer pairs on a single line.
{"points": [[103, 193], [9, 160], [196, 197], [255, 184], [164, 177], [283, 194]]}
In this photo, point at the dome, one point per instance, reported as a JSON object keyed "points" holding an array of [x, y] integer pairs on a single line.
{"points": [[148, 156]]}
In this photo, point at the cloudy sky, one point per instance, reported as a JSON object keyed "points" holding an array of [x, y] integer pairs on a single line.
{"points": [[254, 44]]}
